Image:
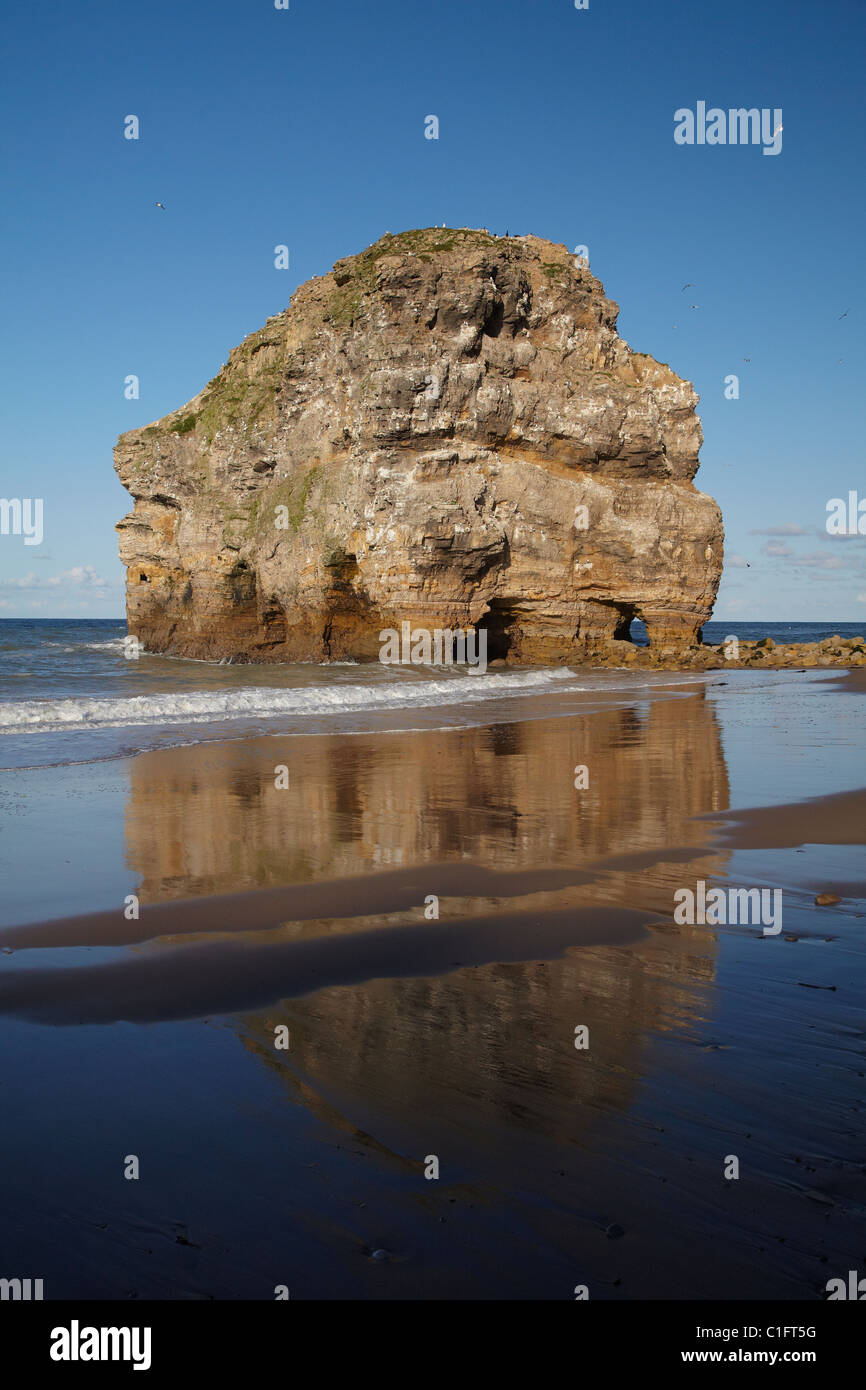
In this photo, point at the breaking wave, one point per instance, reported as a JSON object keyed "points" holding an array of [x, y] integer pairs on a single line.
{"points": [[261, 702]]}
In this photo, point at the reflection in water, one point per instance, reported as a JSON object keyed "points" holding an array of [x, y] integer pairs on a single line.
{"points": [[206, 820], [451, 1037], [492, 1046]]}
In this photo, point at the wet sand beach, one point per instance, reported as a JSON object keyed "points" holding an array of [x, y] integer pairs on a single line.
{"points": [[432, 919]]}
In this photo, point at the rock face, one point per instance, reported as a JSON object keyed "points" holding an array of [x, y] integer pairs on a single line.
{"points": [[446, 429]]}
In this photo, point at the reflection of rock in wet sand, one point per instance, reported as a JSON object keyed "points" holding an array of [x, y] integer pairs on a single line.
{"points": [[210, 820], [491, 1044], [240, 974]]}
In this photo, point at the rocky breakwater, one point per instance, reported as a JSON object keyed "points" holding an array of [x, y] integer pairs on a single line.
{"points": [[445, 429], [740, 654]]}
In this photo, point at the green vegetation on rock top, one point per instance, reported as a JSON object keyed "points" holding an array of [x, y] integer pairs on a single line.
{"points": [[356, 275]]}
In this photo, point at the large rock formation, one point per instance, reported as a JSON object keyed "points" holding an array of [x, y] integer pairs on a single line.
{"points": [[446, 429]]}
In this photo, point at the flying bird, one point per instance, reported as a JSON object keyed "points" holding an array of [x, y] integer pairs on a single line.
{"points": [[747, 359], [843, 316], [161, 205], [694, 306], [687, 286]]}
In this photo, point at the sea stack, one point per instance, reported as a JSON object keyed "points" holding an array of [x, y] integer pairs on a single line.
{"points": [[445, 429]]}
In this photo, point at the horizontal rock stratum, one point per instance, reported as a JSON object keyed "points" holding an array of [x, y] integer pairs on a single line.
{"points": [[447, 430]]}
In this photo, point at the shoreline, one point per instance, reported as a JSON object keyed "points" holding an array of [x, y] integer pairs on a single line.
{"points": [[437, 714]]}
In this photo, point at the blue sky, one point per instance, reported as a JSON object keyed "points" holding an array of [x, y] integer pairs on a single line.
{"points": [[306, 127]]}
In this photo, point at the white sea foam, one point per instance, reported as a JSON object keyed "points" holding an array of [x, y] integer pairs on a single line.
{"points": [[262, 702], [107, 645]]}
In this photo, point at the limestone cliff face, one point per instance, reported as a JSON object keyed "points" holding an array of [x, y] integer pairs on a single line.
{"points": [[446, 429]]}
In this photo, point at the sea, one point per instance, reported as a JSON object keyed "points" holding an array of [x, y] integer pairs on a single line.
{"points": [[70, 694]]}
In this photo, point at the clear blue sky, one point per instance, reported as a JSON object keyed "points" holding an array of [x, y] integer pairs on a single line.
{"points": [[306, 127]]}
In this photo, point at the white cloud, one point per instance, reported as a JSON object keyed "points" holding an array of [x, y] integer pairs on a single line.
{"points": [[83, 576], [814, 559]]}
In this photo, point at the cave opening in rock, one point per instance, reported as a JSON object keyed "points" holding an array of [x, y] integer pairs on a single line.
{"points": [[494, 321], [624, 617], [497, 623]]}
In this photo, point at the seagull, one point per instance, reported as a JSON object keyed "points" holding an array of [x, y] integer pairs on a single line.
{"points": [[843, 316], [161, 205], [687, 286]]}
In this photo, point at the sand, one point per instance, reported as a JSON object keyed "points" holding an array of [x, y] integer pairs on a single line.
{"points": [[307, 910]]}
